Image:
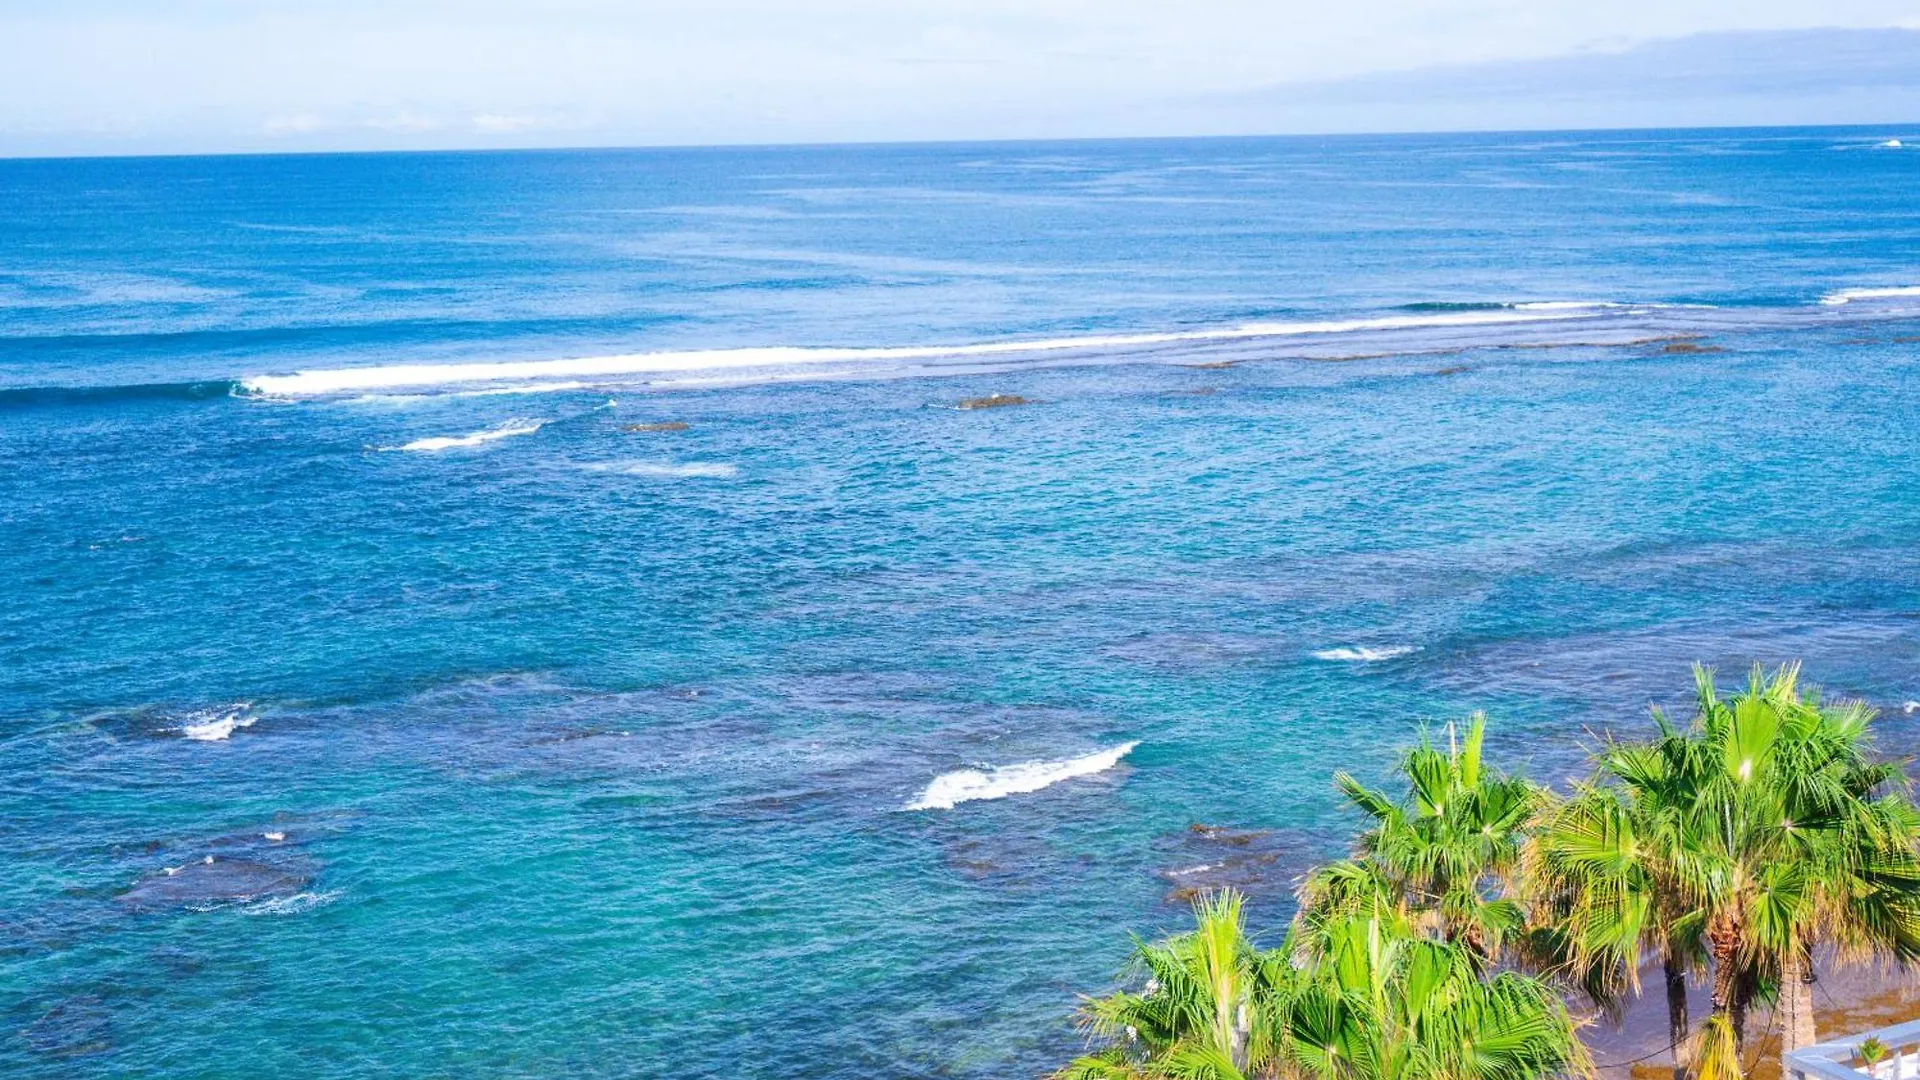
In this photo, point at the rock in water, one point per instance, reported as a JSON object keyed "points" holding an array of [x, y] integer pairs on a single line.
{"points": [[73, 1028], [212, 882], [664, 425], [994, 401]]}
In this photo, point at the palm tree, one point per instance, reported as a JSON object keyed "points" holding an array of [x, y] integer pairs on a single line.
{"points": [[1766, 827], [1602, 872], [1194, 1016], [1830, 844], [1353, 996], [1443, 853], [1716, 1053], [1362, 995]]}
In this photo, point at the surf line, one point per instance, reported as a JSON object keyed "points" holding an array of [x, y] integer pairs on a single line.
{"points": [[343, 380]]}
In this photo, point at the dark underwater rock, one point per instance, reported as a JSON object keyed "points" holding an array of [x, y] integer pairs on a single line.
{"points": [[73, 1028], [1264, 865], [1688, 348], [994, 401], [213, 882]]}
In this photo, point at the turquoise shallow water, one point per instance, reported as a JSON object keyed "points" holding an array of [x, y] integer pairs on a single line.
{"points": [[578, 750]]}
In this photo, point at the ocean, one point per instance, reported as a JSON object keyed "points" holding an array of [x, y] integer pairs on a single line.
{"points": [[547, 614]]}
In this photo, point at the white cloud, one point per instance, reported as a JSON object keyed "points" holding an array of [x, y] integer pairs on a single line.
{"points": [[498, 123], [295, 124]]}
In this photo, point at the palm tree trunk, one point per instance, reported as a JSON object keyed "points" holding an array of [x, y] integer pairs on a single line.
{"points": [[1676, 1010], [1796, 1001], [1725, 940]]}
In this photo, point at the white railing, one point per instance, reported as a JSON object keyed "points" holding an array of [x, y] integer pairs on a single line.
{"points": [[1839, 1059]]}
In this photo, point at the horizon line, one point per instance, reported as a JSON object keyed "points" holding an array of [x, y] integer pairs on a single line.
{"points": [[829, 144]]}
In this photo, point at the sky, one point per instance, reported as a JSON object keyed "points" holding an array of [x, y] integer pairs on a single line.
{"points": [[114, 76]]}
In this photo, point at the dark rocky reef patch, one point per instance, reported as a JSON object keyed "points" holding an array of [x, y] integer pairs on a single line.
{"points": [[1264, 864], [213, 882], [1689, 348], [1008, 861], [75, 1027], [266, 863], [994, 401]]}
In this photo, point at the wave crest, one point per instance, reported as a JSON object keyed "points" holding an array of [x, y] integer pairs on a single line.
{"points": [[320, 383], [1363, 654], [478, 438], [217, 724], [968, 785], [1889, 292]]}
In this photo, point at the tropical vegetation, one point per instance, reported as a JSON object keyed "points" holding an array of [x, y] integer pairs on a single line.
{"points": [[1476, 905]]}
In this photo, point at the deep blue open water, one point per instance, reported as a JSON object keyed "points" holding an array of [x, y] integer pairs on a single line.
{"points": [[526, 745]]}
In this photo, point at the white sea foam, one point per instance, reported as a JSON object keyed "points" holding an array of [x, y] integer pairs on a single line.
{"points": [[291, 905], [1847, 296], [665, 470], [1363, 654], [478, 438], [1891, 144], [1191, 870], [492, 391], [346, 380], [213, 725], [528, 388], [967, 785], [1566, 305]]}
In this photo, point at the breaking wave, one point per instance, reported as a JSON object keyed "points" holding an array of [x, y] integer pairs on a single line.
{"points": [[320, 383], [1848, 296], [214, 725], [1363, 654], [478, 438], [968, 785]]}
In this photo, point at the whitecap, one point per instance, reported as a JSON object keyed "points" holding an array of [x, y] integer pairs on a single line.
{"points": [[1000, 781], [478, 438], [291, 905], [717, 470], [1847, 296], [213, 725], [1363, 654], [526, 388], [1891, 144]]}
